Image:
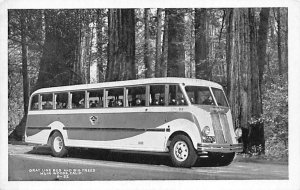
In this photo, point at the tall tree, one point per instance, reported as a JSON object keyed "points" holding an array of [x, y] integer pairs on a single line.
{"points": [[257, 104], [164, 57], [233, 63], [23, 21], [100, 44], [201, 46], [59, 49], [238, 59], [176, 52], [158, 51], [147, 60], [121, 45], [262, 41], [279, 41], [229, 46]]}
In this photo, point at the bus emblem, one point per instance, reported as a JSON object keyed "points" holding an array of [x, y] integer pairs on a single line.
{"points": [[93, 120]]}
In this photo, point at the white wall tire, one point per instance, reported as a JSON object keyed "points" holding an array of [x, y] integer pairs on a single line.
{"points": [[58, 147], [182, 152]]}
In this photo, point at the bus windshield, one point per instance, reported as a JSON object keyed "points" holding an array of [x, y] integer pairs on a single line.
{"points": [[220, 97], [199, 95]]}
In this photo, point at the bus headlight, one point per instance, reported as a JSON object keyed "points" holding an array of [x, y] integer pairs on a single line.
{"points": [[205, 131], [238, 132]]}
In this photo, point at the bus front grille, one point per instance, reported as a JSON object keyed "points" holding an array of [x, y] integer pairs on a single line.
{"points": [[221, 128]]}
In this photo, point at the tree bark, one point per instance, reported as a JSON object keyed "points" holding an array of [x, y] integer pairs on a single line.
{"points": [[121, 45], [59, 51], [24, 60], [19, 131], [257, 108], [176, 52], [229, 46], [158, 54], [164, 57], [201, 46], [147, 60], [100, 42], [279, 41], [262, 42]]}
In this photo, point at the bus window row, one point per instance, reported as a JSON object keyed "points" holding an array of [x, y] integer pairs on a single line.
{"points": [[158, 95]]}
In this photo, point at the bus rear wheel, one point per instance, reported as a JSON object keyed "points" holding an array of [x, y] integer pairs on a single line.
{"points": [[182, 152], [58, 147]]}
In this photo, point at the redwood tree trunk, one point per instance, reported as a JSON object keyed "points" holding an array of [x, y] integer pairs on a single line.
{"points": [[100, 42], [18, 133], [147, 60], [24, 60], [158, 44], [201, 46], [121, 45], [279, 41], [61, 41], [164, 57], [176, 52], [261, 62]]}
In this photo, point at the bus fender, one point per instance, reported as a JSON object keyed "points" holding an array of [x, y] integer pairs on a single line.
{"points": [[187, 128], [58, 126]]}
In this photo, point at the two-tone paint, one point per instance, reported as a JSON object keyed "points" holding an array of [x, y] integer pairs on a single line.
{"points": [[134, 128]]}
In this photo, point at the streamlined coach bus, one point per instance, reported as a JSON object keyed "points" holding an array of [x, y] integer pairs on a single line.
{"points": [[185, 118]]}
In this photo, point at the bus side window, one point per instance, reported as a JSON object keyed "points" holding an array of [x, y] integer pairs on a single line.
{"points": [[176, 96], [157, 95], [115, 97], [47, 101], [78, 99], [136, 96], [95, 98], [35, 102], [61, 100]]}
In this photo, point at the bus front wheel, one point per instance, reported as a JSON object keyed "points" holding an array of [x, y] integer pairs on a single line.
{"points": [[182, 152], [58, 147]]}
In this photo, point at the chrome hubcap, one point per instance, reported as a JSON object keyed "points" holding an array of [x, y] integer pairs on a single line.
{"points": [[181, 151], [58, 144]]}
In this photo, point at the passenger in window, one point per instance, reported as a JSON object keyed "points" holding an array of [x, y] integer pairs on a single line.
{"points": [[98, 104], [92, 104], [181, 101], [156, 102], [81, 104], [119, 103], [161, 101], [59, 105], [138, 102], [173, 102], [192, 100], [111, 103], [208, 101], [48, 105], [36, 106]]}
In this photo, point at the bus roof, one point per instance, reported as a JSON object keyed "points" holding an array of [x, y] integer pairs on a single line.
{"points": [[169, 80]]}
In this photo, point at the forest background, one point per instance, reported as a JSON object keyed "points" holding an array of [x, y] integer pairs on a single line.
{"points": [[243, 49]]}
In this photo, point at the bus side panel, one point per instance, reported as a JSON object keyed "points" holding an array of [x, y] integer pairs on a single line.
{"points": [[139, 130], [147, 141], [37, 134]]}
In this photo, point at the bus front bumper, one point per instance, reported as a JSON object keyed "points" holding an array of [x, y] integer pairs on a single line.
{"points": [[223, 148]]}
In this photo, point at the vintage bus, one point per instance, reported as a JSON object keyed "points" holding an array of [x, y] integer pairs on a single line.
{"points": [[185, 118]]}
